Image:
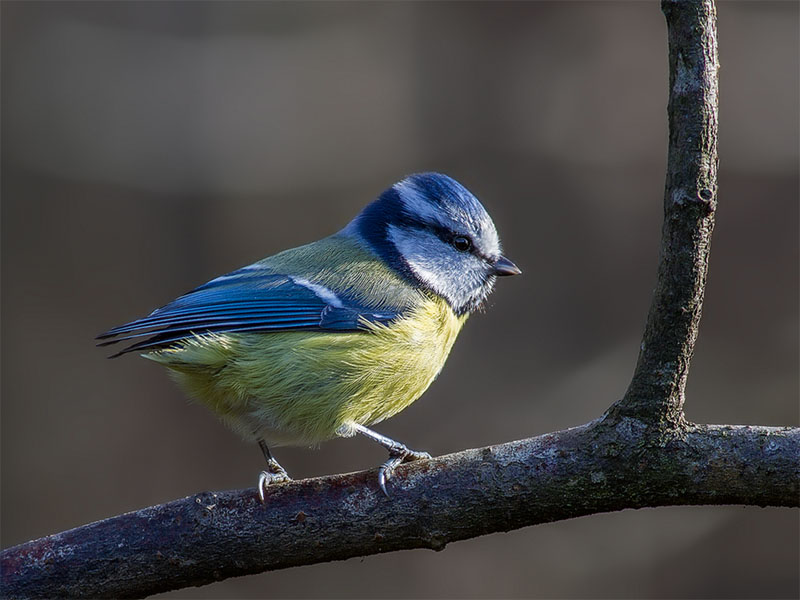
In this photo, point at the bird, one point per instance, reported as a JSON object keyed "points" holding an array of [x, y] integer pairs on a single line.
{"points": [[327, 339]]}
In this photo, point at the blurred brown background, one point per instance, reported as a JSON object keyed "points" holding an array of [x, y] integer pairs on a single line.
{"points": [[148, 147]]}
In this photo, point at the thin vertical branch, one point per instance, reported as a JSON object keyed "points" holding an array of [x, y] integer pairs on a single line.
{"points": [[656, 392]]}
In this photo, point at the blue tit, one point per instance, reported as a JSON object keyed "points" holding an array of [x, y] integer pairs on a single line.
{"points": [[327, 339]]}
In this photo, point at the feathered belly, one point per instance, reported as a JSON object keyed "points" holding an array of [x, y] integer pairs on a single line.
{"points": [[299, 388]]}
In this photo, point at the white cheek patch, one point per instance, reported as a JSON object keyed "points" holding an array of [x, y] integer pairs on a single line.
{"points": [[321, 291], [457, 276]]}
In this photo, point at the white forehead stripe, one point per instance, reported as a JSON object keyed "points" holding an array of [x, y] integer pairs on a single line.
{"points": [[491, 242], [321, 291], [450, 217]]}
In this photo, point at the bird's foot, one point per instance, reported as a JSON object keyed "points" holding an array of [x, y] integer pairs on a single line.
{"points": [[274, 474], [398, 454]]}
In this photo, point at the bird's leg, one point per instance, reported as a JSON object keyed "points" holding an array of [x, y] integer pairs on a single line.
{"points": [[398, 454], [275, 473]]}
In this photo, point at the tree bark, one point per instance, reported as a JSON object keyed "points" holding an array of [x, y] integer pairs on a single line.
{"points": [[656, 392], [586, 470], [642, 452]]}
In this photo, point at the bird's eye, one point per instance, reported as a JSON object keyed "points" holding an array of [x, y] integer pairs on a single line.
{"points": [[462, 243]]}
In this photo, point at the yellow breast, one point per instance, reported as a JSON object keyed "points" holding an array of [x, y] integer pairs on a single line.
{"points": [[300, 387]]}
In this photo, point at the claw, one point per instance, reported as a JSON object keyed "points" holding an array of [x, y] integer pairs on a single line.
{"points": [[398, 453], [385, 472], [266, 478], [275, 473], [397, 458]]}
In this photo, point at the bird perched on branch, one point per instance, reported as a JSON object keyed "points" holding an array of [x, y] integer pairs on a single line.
{"points": [[327, 339]]}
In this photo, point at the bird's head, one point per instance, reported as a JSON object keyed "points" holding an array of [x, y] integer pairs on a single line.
{"points": [[435, 233]]}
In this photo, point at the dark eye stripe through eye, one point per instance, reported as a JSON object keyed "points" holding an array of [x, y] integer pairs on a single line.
{"points": [[462, 243]]}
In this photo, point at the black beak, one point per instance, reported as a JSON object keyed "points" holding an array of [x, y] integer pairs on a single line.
{"points": [[503, 267]]}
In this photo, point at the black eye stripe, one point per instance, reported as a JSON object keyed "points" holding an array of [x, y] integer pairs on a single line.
{"points": [[448, 236], [445, 234], [462, 243]]}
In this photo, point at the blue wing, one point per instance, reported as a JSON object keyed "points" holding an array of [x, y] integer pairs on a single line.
{"points": [[251, 299]]}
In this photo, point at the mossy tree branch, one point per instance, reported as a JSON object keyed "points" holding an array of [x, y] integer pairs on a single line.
{"points": [[642, 452]]}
